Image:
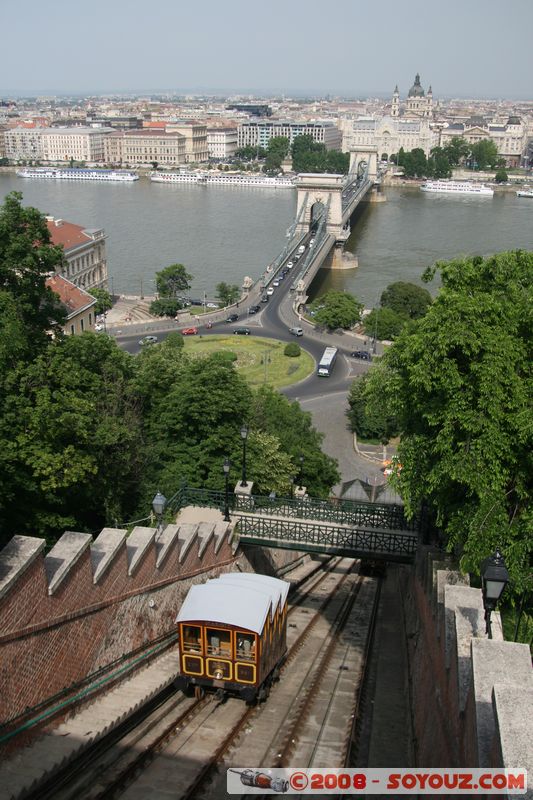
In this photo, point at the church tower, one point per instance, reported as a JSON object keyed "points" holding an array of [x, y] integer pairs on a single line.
{"points": [[395, 109]]}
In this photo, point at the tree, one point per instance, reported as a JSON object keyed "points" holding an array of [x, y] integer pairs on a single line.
{"points": [[165, 307], [172, 280], [415, 163], [484, 154], [27, 257], [104, 300], [456, 150], [272, 413], [460, 383], [384, 323], [407, 299], [438, 164], [337, 310], [501, 176], [368, 419], [70, 439], [292, 350], [227, 294]]}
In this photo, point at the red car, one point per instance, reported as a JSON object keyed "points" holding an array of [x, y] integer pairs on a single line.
{"points": [[188, 331]]}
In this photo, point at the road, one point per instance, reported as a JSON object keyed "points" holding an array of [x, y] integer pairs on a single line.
{"points": [[324, 398]]}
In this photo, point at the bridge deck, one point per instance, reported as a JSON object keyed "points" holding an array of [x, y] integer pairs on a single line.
{"points": [[329, 538]]}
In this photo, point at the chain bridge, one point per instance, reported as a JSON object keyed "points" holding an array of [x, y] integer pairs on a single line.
{"points": [[344, 527], [325, 205]]}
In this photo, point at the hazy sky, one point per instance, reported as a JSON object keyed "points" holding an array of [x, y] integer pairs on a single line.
{"points": [[351, 47]]}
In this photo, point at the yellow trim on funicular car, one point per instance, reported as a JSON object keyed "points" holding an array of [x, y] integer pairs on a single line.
{"points": [[248, 665], [187, 670], [217, 661]]}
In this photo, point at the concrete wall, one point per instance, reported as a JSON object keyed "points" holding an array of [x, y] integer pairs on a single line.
{"points": [[472, 697]]}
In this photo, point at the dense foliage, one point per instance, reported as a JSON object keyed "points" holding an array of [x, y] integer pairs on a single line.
{"points": [[172, 280], [311, 156], [384, 324], [480, 155], [104, 301], [369, 419], [165, 307], [292, 350], [336, 310], [227, 293], [89, 432], [405, 298], [459, 382]]}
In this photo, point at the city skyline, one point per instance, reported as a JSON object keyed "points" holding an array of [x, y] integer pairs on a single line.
{"points": [[299, 49]]}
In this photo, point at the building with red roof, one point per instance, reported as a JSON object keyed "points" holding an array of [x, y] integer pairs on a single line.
{"points": [[79, 305], [85, 255]]}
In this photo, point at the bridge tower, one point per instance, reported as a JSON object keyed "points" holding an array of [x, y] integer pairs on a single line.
{"points": [[360, 153], [316, 192]]}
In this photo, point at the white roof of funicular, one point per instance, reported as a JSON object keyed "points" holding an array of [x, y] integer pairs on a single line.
{"points": [[242, 603], [279, 589]]}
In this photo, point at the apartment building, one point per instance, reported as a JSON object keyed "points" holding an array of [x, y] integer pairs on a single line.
{"points": [[511, 139], [23, 144], [143, 147], [195, 135], [76, 144], [85, 254], [258, 133], [222, 142]]}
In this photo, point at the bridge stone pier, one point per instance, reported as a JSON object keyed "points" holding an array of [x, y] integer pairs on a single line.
{"points": [[367, 154], [315, 192]]}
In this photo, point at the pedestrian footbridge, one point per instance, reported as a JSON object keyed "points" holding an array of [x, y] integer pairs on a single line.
{"points": [[356, 529]]}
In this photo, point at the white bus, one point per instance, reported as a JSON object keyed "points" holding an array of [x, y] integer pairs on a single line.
{"points": [[327, 362]]}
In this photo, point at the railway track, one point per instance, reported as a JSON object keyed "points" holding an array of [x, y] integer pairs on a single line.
{"points": [[106, 768]]}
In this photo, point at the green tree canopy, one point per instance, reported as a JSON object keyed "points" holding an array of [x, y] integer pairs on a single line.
{"points": [[172, 280], [369, 419], [384, 323], [104, 300], [484, 154], [460, 384], [27, 257], [501, 176], [227, 293], [406, 298], [456, 150], [337, 310]]}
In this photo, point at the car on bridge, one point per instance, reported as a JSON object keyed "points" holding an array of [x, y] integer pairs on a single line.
{"points": [[232, 318], [364, 355], [148, 340], [290, 264], [242, 331], [189, 331]]}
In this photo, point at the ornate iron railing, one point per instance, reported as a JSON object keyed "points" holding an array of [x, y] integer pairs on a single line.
{"points": [[320, 537], [343, 512]]}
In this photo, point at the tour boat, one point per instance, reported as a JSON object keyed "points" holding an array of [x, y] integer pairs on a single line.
{"points": [[457, 187], [525, 193], [221, 179], [76, 174]]}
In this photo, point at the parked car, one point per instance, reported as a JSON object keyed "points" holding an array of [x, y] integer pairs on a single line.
{"points": [[264, 297], [270, 291], [254, 309], [276, 282], [188, 331], [211, 305], [364, 355], [232, 318], [296, 331], [242, 331], [148, 340]]}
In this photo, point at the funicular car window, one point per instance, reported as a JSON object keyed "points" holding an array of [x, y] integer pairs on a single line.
{"points": [[191, 639], [218, 642], [245, 649]]}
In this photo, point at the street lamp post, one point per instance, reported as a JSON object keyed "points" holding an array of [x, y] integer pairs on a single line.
{"points": [[158, 504], [300, 476], [494, 579], [244, 436], [226, 467]]}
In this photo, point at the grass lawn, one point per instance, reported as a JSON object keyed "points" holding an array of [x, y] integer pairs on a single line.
{"points": [[260, 361]]}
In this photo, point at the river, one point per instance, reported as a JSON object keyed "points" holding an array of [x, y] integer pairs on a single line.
{"points": [[224, 233]]}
